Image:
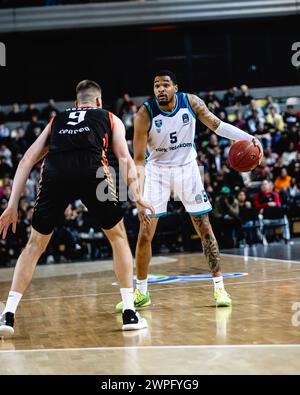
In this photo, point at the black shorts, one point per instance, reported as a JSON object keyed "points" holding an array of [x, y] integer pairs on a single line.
{"points": [[56, 192]]}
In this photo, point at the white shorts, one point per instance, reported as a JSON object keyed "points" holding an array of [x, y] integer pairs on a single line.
{"points": [[182, 182]]}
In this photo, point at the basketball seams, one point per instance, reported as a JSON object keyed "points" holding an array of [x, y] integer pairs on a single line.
{"points": [[235, 159]]}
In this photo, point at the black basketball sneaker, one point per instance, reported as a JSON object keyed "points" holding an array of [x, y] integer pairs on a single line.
{"points": [[132, 320], [7, 324]]}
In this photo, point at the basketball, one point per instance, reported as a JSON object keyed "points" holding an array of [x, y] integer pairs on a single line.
{"points": [[243, 156]]}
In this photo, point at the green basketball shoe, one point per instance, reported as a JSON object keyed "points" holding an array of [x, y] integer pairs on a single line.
{"points": [[140, 300], [222, 298]]}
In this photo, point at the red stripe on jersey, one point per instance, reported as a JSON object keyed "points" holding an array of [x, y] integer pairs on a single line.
{"points": [[50, 123], [111, 118]]}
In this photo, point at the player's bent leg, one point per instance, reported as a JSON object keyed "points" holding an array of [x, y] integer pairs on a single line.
{"points": [[143, 257], [121, 254], [124, 274], [211, 251], [23, 273], [143, 252]]}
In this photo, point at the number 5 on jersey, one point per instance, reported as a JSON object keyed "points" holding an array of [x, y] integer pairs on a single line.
{"points": [[173, 138]]}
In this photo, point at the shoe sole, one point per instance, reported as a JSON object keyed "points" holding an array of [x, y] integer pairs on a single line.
{"points": [[132, 327], [6, 330], [136, 307]]}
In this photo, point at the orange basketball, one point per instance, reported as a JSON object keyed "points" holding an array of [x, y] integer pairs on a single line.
{"points": [[243, 156]]}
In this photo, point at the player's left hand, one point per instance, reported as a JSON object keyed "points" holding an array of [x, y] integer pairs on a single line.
{"points": [[8, 217], [142, 206], [257, 143]]}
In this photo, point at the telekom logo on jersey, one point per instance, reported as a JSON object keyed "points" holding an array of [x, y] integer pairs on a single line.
{"points": [[176, 181]]}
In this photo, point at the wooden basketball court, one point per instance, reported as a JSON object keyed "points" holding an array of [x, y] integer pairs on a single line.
{"points": [[66, 323]]}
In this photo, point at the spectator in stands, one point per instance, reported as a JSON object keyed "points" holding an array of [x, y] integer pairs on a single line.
{"points": [[289, 155], [4, 133], [215, 160], [251, 107], [211, 98], [15, 115], [7, 154], [33, 130], [218, 181], [270, 103], [227, 214], [275, 119], [49, 111], [244, 98], [18, 143], [209, 187], [283, 181], [5, 168], [263, 134], [239, 122], [290, 117], [266, 197], [233, 179], [293, 198], [270, 157], [294, 169], [253, 120], [261, 172], [6, 192], [31, 111], [229, 98], [244, 202], [213, 142], [249, 218]]}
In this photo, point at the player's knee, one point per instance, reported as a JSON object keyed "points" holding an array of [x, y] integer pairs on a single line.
{"points": [[145, 237], [205, 228], [36, 244]]}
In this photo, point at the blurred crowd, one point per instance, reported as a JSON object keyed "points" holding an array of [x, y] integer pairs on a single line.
{"points": [[246, 205]]}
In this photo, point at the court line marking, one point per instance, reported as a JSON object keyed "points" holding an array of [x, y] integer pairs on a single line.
{"points": [[200, 346], [155, 290], [261, 257]]}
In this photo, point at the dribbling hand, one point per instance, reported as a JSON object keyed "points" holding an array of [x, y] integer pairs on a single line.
{"points": [[8, 217]]}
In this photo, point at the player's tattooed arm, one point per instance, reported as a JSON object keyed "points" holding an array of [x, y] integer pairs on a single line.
{"points": [[203, 113]]}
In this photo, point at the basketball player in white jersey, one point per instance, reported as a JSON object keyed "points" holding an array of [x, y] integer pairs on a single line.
{"points": [[166, 124]]}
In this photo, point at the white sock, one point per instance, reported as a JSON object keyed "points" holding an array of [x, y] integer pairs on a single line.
{"points": [[127, 298], [218, 282], [142, 285], [12, 302]]}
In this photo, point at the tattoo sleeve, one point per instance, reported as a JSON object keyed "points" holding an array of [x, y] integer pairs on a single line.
{"points": [[208, 240], [204, 115]]}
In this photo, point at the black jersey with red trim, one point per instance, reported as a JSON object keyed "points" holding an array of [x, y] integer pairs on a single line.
{"points": [[79, 139]]}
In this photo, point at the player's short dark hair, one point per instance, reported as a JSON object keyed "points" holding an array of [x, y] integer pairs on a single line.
{"points": [[168, 73], [87, 90]]}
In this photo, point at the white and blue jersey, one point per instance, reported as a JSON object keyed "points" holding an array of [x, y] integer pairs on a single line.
{"points": [[171, 134], [171, 166]]}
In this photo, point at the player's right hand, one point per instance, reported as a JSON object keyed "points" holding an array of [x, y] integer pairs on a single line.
{"points": [[8, 217], [142, 206]]}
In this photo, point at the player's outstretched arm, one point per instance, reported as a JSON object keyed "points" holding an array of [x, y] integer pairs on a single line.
{"points": [[33, 155], [221, 128], [128, 168]]}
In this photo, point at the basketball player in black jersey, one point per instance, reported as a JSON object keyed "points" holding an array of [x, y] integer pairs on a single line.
{"points": [[74, 146]]}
